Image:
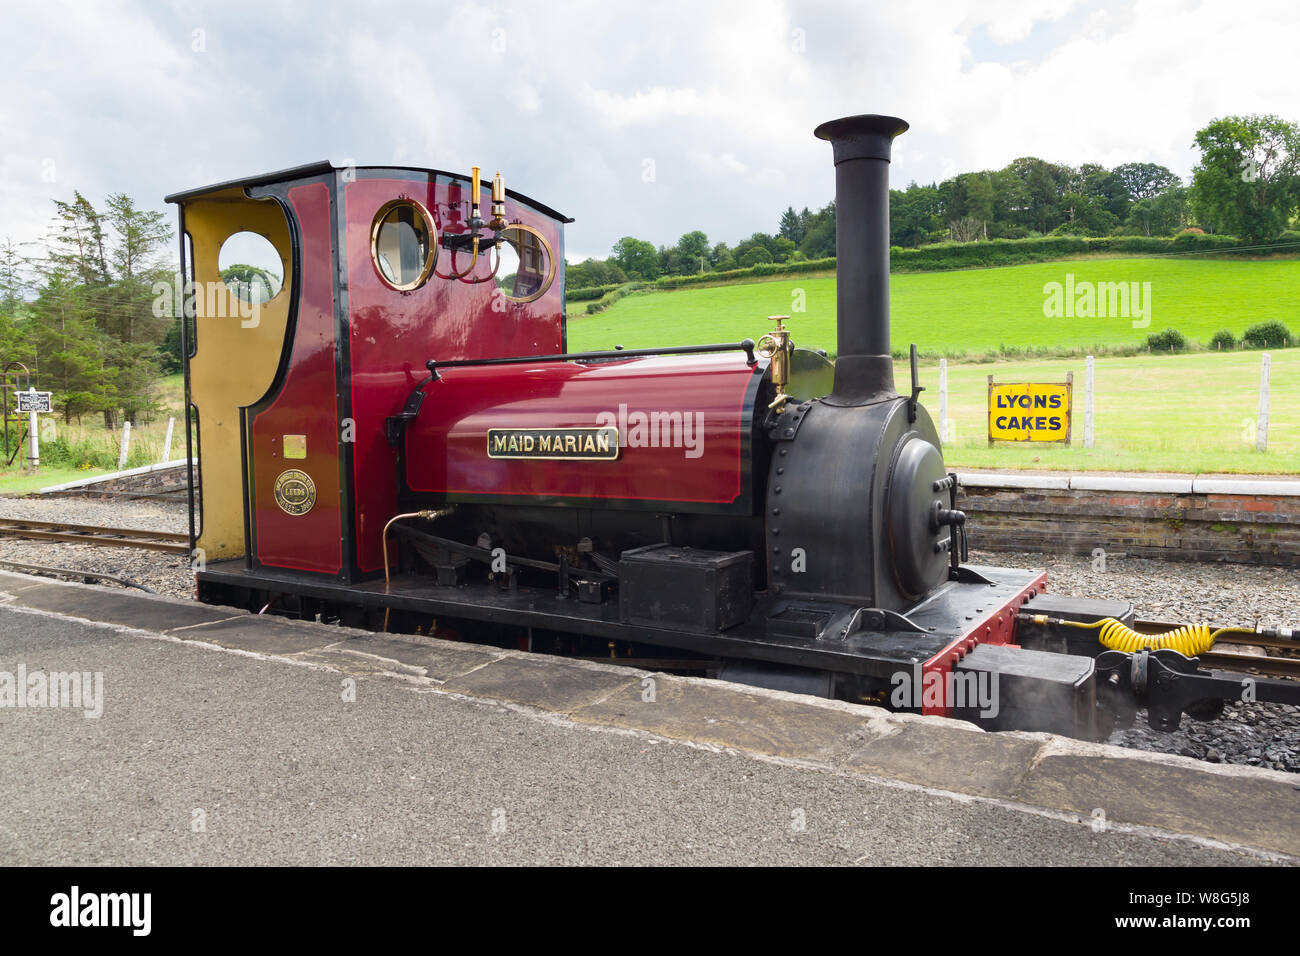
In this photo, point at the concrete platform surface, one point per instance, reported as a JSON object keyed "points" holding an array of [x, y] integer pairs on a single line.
{"points": [[227, 738]]}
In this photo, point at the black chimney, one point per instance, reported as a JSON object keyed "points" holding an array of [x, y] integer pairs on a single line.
{"points": [[864, 371]]}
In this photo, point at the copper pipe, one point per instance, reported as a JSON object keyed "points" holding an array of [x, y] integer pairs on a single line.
{"points": [[384, 545], [472, 262]]}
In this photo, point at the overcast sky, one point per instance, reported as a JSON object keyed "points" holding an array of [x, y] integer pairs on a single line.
{"points": [[645, 119]]}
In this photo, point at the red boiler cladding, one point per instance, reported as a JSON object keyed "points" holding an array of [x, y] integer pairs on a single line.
{"points": [[636, 432]]}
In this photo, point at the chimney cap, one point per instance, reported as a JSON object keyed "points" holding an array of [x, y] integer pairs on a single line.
{"points": [[865, 136]]}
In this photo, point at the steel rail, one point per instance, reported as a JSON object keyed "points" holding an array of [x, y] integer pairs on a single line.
{"points": [[1242, 663], [1251, 640], [86, 576], [164, 541]]}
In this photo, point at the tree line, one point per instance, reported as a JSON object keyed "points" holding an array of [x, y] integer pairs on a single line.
{"points": [[79, 312], [1246, 184]]}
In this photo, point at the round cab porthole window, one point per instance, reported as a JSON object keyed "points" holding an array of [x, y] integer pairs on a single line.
{"points": [[403, 244], [250, 267], [527, 267]]}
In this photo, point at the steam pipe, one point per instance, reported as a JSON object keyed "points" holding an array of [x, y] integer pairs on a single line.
{"points": [[864, 371]]}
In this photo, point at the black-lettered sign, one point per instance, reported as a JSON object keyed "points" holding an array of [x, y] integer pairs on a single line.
{"points": [[1030, 411], [34, 401]]}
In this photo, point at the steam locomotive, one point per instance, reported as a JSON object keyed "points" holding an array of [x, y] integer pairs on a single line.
{"points": [[399, 439]]}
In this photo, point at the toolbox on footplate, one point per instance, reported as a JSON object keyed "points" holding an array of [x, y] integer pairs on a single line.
{"points": [[663, 585]]}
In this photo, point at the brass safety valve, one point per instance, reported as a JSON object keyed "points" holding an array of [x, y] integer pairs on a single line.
{"points": [[776, 347], [498, 220]]}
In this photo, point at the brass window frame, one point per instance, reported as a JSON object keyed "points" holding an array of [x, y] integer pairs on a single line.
{"points": [[550, 263], [430, 259]]}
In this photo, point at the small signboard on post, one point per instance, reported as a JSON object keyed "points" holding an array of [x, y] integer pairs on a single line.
{"points": [[1030, 411], [31, 401]]}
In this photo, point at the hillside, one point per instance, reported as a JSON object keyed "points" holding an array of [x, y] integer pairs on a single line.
{"points": [[969, 312]]}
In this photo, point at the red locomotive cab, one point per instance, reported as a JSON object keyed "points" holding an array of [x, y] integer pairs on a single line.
{"points": [[428, 277], [382, 269]]}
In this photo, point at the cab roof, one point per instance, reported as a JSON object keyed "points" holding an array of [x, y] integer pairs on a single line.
{"points": [[324, 166]]}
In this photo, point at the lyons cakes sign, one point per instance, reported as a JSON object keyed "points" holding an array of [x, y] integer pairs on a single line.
{"points": [[1030, 411]]}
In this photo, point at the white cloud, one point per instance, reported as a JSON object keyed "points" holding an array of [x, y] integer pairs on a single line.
{"points": [[655, 105], [1010, 21], [722, 96]]}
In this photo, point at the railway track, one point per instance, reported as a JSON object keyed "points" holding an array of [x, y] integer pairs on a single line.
{"points": [[1274, 664], [165, 541], [1268, 666]]}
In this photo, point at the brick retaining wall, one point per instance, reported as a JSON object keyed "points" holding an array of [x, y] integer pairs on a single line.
{"points": [[152, 479], [1179, 519]]}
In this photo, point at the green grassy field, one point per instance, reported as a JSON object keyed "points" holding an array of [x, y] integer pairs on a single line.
{"points": [[1179, 413], [1163, 413], [15, 481], [968, 312]]}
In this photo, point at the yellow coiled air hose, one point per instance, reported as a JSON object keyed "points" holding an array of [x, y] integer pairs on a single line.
{"points": [[1188, 640]]}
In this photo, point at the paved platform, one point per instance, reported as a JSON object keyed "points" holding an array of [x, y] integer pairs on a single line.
{"points": [[304, 743]]}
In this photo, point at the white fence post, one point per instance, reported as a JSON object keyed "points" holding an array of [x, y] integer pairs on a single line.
{"points": [[1087, 406], [167, 442], [34, 439], [126, 441], [943, 400], [1261, 430]]}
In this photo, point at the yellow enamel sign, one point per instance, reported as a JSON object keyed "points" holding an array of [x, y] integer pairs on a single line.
{"points": [[1030, 411]]}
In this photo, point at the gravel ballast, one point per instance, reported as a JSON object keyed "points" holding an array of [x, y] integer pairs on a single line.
{"points": [[1266, 735], [1258, 734], [167, 574]]}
